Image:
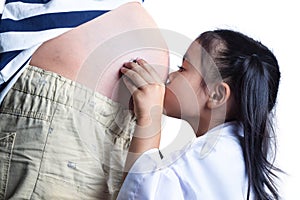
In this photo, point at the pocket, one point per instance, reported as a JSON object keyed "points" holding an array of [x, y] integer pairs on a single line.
{"points": [[6, 148]]}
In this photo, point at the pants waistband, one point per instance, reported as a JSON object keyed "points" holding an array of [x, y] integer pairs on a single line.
{"points": [[48, 88]]}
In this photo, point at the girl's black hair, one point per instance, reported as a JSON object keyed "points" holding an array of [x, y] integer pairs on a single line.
{"points": [[252, 72]]}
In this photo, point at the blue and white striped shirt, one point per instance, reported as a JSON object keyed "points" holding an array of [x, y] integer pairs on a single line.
{"points": [[26, 24]]}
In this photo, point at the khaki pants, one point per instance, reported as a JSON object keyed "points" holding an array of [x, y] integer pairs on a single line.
{"points": [[60, 140]]}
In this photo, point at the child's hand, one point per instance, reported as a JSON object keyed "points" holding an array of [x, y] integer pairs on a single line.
{"points": [[147, 90]]}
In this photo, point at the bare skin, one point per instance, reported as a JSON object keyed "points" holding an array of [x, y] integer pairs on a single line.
{"points": [[93, 53]]}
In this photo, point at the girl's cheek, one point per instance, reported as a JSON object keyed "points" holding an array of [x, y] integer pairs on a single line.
{"points": [[171, 103]]}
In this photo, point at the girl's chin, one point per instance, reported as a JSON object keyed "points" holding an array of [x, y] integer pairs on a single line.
{"points": [[172, 113]]}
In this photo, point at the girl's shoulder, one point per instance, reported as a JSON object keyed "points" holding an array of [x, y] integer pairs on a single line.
{"points": [[225, 136], [214, 160]]}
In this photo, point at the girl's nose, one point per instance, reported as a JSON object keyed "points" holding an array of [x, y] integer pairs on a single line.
{"points": [[171, 76]]}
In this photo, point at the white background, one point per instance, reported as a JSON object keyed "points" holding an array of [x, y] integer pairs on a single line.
{"points": [[274, 23]]}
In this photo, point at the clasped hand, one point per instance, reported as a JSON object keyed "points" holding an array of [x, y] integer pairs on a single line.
{"points": [[147, 90]]}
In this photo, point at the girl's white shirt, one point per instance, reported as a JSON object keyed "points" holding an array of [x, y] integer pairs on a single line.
{"points": [[211, 167]]}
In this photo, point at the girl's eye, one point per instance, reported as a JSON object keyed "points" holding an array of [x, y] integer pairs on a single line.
{"points": [[181, 69]]}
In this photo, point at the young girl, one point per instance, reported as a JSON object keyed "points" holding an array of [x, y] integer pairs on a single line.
{"points": [[226, 89]]}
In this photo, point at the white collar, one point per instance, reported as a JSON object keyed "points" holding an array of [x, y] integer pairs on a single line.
{"points": [[208, 141]]}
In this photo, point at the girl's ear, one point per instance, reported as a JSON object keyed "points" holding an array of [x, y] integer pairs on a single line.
{"points": [[219, 95]]}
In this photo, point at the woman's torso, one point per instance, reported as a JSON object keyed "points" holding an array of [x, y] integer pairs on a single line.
{"points": [[93, 53]]}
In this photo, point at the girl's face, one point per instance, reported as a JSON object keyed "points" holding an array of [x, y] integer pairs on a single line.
{"points": [[185, 97]]}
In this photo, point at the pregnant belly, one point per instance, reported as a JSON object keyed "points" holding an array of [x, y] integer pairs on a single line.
{"points": [[93, 53]]}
